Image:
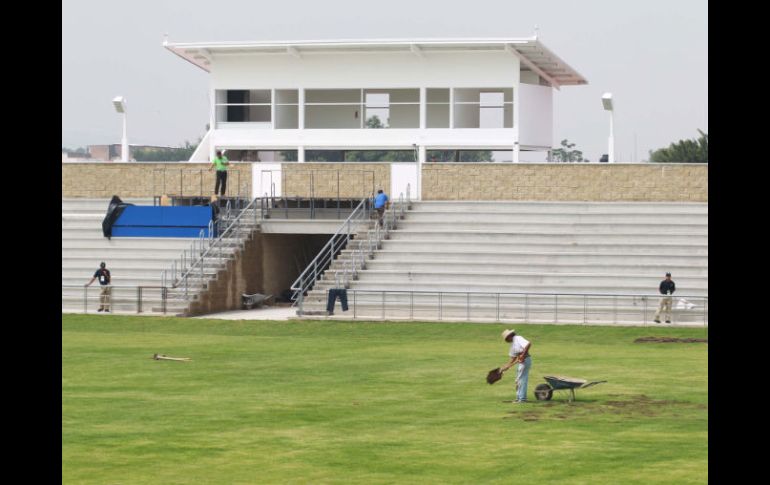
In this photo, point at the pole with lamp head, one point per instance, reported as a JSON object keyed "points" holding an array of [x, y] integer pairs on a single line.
{"points": [[120, 106], [607, 102]]}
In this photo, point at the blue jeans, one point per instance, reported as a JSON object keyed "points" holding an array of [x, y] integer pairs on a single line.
{"points": [[522, 378], [342, 293]]}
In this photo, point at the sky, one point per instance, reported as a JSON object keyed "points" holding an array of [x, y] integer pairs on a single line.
{"points": [[652, 55]]}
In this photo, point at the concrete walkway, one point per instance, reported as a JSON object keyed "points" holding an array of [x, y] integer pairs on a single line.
{"points": [[270, 313]]}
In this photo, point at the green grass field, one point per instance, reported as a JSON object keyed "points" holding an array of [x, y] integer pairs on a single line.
{"points": [[333, 402]]}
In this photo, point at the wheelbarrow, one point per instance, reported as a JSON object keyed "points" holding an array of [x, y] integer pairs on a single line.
{"points": [[255, 300], [544, 392]]}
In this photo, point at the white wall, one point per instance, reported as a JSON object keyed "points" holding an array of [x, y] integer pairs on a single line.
{"points": [[380, 70], [360, 139], [266, 177], [536, 115], [530, 77], [401, 175]]}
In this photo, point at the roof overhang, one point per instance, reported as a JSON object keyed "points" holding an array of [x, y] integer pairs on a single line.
{"points": [[530, 51]]}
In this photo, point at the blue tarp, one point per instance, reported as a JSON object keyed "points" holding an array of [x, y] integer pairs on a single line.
{"points": [[163, 221]]}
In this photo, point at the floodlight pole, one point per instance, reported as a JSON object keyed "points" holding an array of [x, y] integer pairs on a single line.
{"points": [[611, 152], [608, 104], [124, 141]]}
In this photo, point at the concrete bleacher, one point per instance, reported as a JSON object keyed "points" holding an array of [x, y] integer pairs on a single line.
{"points": [[614, 248], [132, 261]]}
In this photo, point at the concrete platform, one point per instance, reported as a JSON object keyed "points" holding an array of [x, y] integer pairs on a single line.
{"points": [[268, 313]]}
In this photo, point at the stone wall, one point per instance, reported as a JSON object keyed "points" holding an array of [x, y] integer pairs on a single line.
{"points": [[444, 181], [134, 179], [241, 275], [355, 180], [549, 181]]}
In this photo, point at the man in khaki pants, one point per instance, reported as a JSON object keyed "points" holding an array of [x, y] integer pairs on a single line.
{"points": [[667, 288], [104, 280]]}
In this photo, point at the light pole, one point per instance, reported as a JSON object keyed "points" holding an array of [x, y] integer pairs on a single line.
{"points": [[120, 106], [607, 102]]}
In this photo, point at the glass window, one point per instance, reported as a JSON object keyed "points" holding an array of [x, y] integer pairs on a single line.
{"points": [[287, 108], [377, 114], [483, 108], [437, 108], [333, 108], [262, 155], [359, 156], [240, 105], [468, 156]]}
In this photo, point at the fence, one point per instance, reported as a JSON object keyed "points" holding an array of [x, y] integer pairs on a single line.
{"points": [[166, 181], [121, 299], [522, 307]]}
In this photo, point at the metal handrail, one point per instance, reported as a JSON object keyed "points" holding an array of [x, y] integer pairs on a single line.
{"points": [[201, 173], [326, 255], [373, 242], [275, 206], [203, 247], [529, 307]]}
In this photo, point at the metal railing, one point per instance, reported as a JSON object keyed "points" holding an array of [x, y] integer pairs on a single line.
{"points": [[284, 207], [365, 251], [356, 261], [572, 308], [361, 214], [163, 182], [121, 298], [192, 262]]}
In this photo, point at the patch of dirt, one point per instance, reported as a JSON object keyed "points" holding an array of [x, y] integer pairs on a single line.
{"points": [[525, 416], [637, 406], [642, 340]]}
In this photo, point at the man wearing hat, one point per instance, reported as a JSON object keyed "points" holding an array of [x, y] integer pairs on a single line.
{"points": [[104, 280], [519, 354], [667, 288]]}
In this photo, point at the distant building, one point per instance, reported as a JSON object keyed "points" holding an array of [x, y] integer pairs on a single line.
{"points": [[451, 100]]}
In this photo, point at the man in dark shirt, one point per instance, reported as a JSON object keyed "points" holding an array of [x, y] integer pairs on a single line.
{"points": [[104, 280], [667, 288]]}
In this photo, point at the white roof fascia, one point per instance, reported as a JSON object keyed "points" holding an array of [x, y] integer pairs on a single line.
{"points": [[201, 54], [531, 65]]}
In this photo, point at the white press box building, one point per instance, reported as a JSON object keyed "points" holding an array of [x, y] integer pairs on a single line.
{"points": [[418, 100]]}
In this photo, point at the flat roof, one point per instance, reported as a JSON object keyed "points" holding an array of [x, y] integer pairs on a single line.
{"points": [[533, 54]]}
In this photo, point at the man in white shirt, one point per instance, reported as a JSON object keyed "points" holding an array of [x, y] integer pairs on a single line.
{"points": [[519, 354]]}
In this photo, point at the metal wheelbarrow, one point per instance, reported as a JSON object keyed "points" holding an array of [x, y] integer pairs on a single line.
{"points": [[544, 392], [255, 300]]}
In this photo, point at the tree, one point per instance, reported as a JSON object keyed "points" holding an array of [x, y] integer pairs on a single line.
{"points": [[566, 153], [77, 152], [374, 121], [684, 151], [165, 154]]}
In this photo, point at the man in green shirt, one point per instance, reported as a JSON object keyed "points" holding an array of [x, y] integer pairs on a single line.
{"points": [[221, 163]]}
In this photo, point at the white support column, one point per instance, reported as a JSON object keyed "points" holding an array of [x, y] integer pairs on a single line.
{"points": [[301, 108], [611, 154], [124, 150], [516, 122], [423, 100], [451, 107], [421, 161], [301, 154], [212, 120]]}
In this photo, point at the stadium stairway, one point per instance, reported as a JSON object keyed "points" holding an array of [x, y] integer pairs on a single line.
{"points": [[580, 248]]}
